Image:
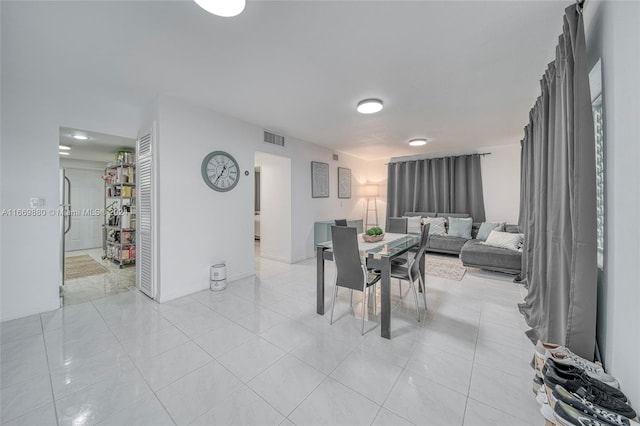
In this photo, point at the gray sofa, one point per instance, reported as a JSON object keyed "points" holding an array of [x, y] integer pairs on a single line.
{"points": [[473, 252]]}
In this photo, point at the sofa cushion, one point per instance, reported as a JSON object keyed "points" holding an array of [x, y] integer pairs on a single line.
{"points": [[486, 228], [476, 253], [446, 243], [505, 240], [413, 224], [460, 227], [437, 225]]}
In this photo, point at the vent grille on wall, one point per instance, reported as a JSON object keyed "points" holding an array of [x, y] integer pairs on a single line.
{"points": [[335, 157], [273, 138]]}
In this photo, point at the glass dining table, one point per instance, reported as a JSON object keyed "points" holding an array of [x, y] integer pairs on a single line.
{"points": [[378, 256]]}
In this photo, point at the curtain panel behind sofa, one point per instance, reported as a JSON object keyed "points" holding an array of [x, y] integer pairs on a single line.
{"points": [[558, 201], [449, 184]]}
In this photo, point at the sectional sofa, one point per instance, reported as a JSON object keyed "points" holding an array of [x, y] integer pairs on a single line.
{"points": [[473, 252]]}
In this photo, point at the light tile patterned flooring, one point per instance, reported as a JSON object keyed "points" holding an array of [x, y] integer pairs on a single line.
{"points": [[258, 354], [84, 289]]}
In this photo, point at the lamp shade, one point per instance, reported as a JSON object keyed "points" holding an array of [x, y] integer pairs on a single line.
{"points": [[224, 8], [371, 190]]}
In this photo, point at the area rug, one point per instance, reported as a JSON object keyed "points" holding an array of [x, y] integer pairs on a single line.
{"points": [[82, 266], [445, 267]]}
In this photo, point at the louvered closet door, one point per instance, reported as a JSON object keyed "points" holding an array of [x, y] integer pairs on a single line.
{"points": [[144, 240]]}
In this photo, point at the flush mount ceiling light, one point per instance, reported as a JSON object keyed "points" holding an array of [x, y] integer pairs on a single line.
{"points": [[80, 137], [64, 148], [64, 153], [224, 8], [418, 142], [369, 106]]}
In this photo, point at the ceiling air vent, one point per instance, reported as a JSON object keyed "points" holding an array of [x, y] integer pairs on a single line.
{"points": [[273, 138]]}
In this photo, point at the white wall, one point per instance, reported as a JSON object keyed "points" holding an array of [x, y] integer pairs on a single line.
{"points": [[275, 206], [501, 183], [613, 34], [32, 112], [198, 226]]}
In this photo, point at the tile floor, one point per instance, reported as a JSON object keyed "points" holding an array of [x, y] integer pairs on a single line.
{"points": [[258, 354], [84, 289]]}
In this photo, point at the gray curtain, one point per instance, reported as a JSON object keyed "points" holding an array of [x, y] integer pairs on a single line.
{"points": [[558, 201], [449, 184]]}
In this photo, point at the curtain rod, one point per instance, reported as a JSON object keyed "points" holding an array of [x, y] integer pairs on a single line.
{"points": [[437, 158]]}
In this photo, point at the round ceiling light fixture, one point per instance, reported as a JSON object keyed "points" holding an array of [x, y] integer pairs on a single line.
{"points": [[64, 153], [418, 142], [369, 106], [80, 137], [64, 148], [224, 8]]}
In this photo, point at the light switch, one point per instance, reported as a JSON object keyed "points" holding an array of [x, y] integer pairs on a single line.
{"points": [[36, 202]]}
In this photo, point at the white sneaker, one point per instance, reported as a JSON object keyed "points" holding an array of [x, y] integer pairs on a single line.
{"points": [[547, 413], [541, 396], [562, 355]]}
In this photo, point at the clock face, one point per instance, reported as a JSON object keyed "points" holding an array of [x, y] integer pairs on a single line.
{"points": [[220, 171]]}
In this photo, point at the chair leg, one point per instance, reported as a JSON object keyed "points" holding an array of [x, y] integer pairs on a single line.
{"points": [[375, 302], [351, 298], [424, 292], [333, 302], [364, 294], [400, 284], [415, 297]]}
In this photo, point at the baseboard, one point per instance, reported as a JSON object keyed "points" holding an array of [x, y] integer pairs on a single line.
{"points": [[237, 277]]}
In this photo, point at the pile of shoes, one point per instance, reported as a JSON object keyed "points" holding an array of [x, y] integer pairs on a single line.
{"points": [[573, 391]]}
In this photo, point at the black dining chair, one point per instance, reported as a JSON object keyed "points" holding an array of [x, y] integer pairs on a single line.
{"points": [[350, 272], [411, 271], [397, 225], [341, 222]]}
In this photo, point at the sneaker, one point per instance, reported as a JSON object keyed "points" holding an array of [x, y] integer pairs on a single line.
{"points": [[577, 375], [587, 407], [591, 394], [541, 396], [562, 355], [565, 415], [547, 413], [537, 384]]}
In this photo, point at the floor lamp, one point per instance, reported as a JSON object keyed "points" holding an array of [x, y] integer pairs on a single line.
{"points": [[371, 191]]}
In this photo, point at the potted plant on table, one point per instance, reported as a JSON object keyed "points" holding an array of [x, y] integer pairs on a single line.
{"points": [[373, 235]]}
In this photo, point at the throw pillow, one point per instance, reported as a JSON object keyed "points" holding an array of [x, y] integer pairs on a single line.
{"points": [[486, 228], [413, 224], [460, 227], [437, 225], [505, 240]]}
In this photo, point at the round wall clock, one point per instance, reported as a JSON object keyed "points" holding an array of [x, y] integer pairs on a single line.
{"points": [[220, 171]]}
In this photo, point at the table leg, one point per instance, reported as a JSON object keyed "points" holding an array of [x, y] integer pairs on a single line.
{"points": [[385, 299], [320, 280]]}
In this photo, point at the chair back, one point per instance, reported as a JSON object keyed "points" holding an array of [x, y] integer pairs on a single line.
{"points": [[347, 257], [397, 225], [415, 265], [341, 222]]}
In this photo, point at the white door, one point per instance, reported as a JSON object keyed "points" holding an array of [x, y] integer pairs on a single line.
{"points": [[87, 193]]}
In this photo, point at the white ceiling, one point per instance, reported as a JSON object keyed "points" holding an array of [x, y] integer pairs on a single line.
{"points": [[462, 73], [99, 147]]}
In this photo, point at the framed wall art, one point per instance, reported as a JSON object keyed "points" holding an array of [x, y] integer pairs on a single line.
{"points": [[344, 182], [319, 180]]}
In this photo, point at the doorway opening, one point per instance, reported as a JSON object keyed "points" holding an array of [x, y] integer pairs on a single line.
{"points": [[97, 215], [272, 218]]}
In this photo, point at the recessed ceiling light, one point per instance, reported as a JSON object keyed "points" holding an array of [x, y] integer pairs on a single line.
{"points": [[64, 147], [418, 142], [64, 153], [80, 137], [224, 8], [369, 106]]}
